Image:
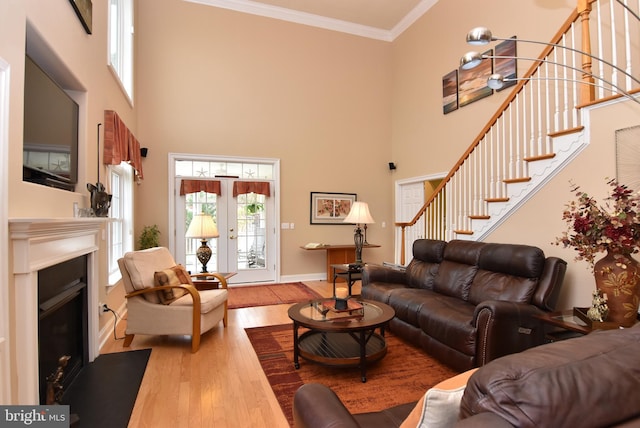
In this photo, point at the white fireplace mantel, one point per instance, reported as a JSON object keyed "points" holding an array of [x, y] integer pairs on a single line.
{"points": [[37, 243]]}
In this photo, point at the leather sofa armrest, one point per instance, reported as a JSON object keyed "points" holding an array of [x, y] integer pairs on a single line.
{"points": [[483, 420], [505, 328], [315, 406], [377, 273]]}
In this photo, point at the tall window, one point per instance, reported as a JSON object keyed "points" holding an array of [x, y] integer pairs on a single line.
{"points": [[121, 213], [121, 43]]}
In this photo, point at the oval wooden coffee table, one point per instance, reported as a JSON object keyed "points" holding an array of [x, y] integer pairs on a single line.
{"points": [[337, 338]]}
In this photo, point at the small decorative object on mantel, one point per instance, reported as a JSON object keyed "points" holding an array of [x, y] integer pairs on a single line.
{"points": [[100, 199], [615, 229]]}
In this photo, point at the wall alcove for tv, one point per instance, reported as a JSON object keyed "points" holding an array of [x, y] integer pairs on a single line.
{"points": [[52, 118]]}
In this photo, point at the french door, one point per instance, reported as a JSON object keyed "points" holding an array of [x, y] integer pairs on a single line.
{"points": [[246, 222]]}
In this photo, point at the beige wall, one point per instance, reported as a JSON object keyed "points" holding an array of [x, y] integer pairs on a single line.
{"points": [[424, 140], [213, 81]]}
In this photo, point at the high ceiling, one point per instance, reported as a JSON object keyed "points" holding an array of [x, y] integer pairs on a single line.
{"points": [[376, 19]]}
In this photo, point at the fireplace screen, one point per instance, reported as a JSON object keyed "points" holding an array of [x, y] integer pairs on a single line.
{"points": [[63, 320]]}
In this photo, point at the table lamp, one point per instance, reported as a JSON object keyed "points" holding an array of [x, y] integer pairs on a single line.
{"points": [[359, 214], [203, 227]]}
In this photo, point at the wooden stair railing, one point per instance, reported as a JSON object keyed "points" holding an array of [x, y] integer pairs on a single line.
{"points": [[521, 131]]}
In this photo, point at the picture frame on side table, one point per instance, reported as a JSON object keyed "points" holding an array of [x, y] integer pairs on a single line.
{"points": [[84, 9], [330, 207]]}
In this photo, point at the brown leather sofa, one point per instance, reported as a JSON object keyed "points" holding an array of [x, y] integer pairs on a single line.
{"points": [[590, 381], [467, 303]]}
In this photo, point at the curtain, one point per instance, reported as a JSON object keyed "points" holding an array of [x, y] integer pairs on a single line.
{"points": [[244, 187], [194, 186], [120, 145]]}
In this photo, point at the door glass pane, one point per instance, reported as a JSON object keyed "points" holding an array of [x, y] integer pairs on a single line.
{"points": [[197, 203], [251, 231]]}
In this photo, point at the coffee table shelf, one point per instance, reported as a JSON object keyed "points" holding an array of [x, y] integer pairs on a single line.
{"points": [[340, 349], [351, 342]]}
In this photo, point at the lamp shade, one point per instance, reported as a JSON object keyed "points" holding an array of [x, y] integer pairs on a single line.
{"points": [[359, 214], [203, 227]]}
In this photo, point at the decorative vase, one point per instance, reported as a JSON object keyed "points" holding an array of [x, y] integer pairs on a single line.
{"points": [[618, 279]]}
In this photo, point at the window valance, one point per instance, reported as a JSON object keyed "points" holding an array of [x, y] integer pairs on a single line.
{"points": [[244, 187], [195, 186], [120, 145]]}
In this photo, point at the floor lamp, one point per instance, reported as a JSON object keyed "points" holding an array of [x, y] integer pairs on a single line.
{"points": [[480, 36], [203, 227], [359, 214]]}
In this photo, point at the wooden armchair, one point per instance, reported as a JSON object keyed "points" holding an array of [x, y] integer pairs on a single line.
{"points": [[162, 300]]}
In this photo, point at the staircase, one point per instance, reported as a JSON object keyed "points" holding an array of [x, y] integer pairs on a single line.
{"points": [[541, 126]]}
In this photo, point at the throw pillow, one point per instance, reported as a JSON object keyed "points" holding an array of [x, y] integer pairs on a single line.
{"points": [[175, 275], [440, 406]]}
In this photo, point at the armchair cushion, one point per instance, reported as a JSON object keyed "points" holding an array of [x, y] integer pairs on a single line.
{"points": [[172, 276], [141, 267], [209, 300]]}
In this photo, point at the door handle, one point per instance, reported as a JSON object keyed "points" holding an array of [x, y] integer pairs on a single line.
{"points": [[232, 237]]}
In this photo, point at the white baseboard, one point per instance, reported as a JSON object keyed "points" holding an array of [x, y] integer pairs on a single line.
{"points": [[304, 277]]}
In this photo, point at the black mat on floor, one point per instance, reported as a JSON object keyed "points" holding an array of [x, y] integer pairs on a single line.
{"points": [[105, 391]]}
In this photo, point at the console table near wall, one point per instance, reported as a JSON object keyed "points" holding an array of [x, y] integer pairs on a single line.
{"points": [[339, 254]]}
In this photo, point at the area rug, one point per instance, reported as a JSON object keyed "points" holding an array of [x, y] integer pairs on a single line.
{"points": [[269, 294], [402, 376], [105, 391]]}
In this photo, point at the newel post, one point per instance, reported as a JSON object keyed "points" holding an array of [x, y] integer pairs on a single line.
{"points": [[587, 91]]}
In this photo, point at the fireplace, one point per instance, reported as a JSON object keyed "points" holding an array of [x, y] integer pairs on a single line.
{"points": [[37, 245], [62, 325]]}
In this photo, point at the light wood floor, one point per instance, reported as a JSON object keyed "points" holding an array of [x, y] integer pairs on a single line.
{"points": [[220, 386]]}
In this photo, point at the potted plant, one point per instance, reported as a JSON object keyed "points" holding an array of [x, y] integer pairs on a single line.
{"points": [[614, 229], [149, 237]]}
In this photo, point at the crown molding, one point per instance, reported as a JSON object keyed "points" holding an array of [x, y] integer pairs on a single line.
{"points": [[276, 12], [406, 22]]}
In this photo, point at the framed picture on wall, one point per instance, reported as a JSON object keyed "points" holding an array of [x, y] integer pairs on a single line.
{"points": [[506, 66], [84, 10], [450, 92], [472, 84], [331, 208]]}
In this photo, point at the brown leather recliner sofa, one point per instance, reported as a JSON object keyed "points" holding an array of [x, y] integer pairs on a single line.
{"points": [[590, 381], [467, 303]]}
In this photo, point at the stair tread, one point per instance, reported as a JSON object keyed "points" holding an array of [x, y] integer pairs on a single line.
{"points": [[464, 232], [541, 157], [516, 180]]}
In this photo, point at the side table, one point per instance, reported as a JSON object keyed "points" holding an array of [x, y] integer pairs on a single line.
{"points": [[567, 323], [206, 281], [339, 254], [352, 272]]}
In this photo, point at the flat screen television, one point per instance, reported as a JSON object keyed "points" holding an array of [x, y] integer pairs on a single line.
{"points": [[50, 147]]}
